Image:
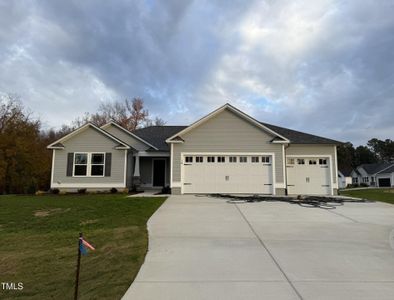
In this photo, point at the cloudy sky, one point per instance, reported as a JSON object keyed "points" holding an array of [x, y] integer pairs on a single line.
{"points": [[321, 66]]}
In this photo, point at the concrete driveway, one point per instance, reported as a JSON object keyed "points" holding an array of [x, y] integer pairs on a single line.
{"points": [[206, 248]]}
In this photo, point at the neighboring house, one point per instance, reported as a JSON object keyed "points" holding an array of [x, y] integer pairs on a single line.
{"points": [[226, 151], [377, 174], [344, 177]]}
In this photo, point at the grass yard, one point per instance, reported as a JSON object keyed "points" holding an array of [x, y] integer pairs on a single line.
{"points": [[39, 244], [385, 195]]}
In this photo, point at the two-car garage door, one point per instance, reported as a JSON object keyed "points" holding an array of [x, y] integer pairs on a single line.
{"points": [[235, 173]]}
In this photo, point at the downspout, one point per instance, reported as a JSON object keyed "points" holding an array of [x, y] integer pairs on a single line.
{"points": [[285, 164]]}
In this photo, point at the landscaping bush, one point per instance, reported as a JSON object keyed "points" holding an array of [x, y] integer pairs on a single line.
{"points": [[113, 190], [166, 190], [55, 191], [81, 191], [363, 184]]}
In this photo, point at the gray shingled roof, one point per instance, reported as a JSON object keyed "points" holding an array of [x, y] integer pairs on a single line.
{"points": [[157, 135], [376, 167], [389, 170], [298, 137]]}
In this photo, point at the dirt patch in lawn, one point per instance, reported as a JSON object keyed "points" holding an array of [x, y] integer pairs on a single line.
{"points": [[50, 212]]}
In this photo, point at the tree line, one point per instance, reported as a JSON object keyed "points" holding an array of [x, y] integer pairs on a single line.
{"points": [[25, 163], [375, 151]]}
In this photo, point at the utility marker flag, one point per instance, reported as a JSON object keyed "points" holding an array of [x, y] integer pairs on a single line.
{"points": [[82, 245]]}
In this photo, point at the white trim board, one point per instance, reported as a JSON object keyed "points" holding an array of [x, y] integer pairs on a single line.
{"points": [[84, 127], [88, 185], [129, 133]]}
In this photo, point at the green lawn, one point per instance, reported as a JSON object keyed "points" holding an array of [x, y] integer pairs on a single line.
{"points": [[385, 195], [39, 238]]}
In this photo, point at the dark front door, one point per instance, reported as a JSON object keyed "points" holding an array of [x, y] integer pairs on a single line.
{"points": [[384, 182], [159, 172]]}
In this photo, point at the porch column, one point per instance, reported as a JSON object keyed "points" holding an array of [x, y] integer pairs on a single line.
{"points": [[137, 166]]}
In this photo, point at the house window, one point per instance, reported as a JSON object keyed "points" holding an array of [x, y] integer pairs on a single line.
{"points": [[312, 162], [89, 164], [189, 159], [355, 180], [97, 164], [233, 159], [255, 159], [211, 159], [301, 161], [81, 164], [290, 161], [243, 159], [372, 179], [322, 161], [221, 159], [365, 179], [199, 159], [265, 159]]}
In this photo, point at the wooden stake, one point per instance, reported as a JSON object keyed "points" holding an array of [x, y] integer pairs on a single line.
{"points": [[78, 267]]}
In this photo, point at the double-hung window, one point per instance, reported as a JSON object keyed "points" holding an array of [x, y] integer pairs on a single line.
{"points": [[89, 164]]}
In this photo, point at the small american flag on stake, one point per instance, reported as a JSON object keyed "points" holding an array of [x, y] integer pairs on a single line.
{"points": [[84, 243]]}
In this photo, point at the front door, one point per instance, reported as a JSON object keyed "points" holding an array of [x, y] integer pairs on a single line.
{"points": [[159, 172]]}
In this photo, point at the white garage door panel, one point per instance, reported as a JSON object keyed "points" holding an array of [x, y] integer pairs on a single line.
{"points": [[248, 178], [308, 179]]}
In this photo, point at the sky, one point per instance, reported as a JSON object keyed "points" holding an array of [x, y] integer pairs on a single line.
{"points": [[319, 66]]}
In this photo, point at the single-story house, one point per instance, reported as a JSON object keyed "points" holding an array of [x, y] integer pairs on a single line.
{"points": [[227, 151], [344, 177], [377, 174]]}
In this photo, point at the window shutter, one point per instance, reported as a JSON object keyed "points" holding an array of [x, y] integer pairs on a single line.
{"points": [[108, 160], [70, 161]]}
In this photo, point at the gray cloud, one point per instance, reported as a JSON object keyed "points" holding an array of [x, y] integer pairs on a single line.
{"points": [[325, 67]]}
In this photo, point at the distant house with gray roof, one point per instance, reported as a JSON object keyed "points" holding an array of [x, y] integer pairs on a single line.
{"points": [[377, 174]]}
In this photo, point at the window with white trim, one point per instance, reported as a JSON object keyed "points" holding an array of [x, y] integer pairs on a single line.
{"points": [[97, 164], [243, 159], [365, 179], [89, 164], [255, 159], [189, 159], [211, 159], [81, 164], [301, 161], [221, 159], [312, 162], [355, 180], [265, 159], [233, 159], [290, 161], [199, 159]]}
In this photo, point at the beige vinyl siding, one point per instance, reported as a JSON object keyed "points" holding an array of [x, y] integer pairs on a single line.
{"points": [[227, 132], [89, 140], [127, 138], [312, 149]]}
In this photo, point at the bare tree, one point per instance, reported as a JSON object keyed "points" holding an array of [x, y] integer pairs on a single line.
{"points": [[137, 113]]}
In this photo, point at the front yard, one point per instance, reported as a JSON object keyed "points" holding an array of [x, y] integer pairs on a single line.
{"points": [[39, 238], [385, 195]]}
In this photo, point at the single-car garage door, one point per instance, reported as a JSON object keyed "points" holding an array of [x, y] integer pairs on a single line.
{"points": [[384, 182], [308, 176], [249, 174]]}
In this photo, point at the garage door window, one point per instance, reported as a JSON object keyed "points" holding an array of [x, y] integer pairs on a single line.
{"points": [[221, 159], [255, 159], [211, 159], [199, 159], [243, 159], [322, 161], [265, 159], [233, 159], [189, 159], [301, 161], [290, 161], [312, 162]]}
